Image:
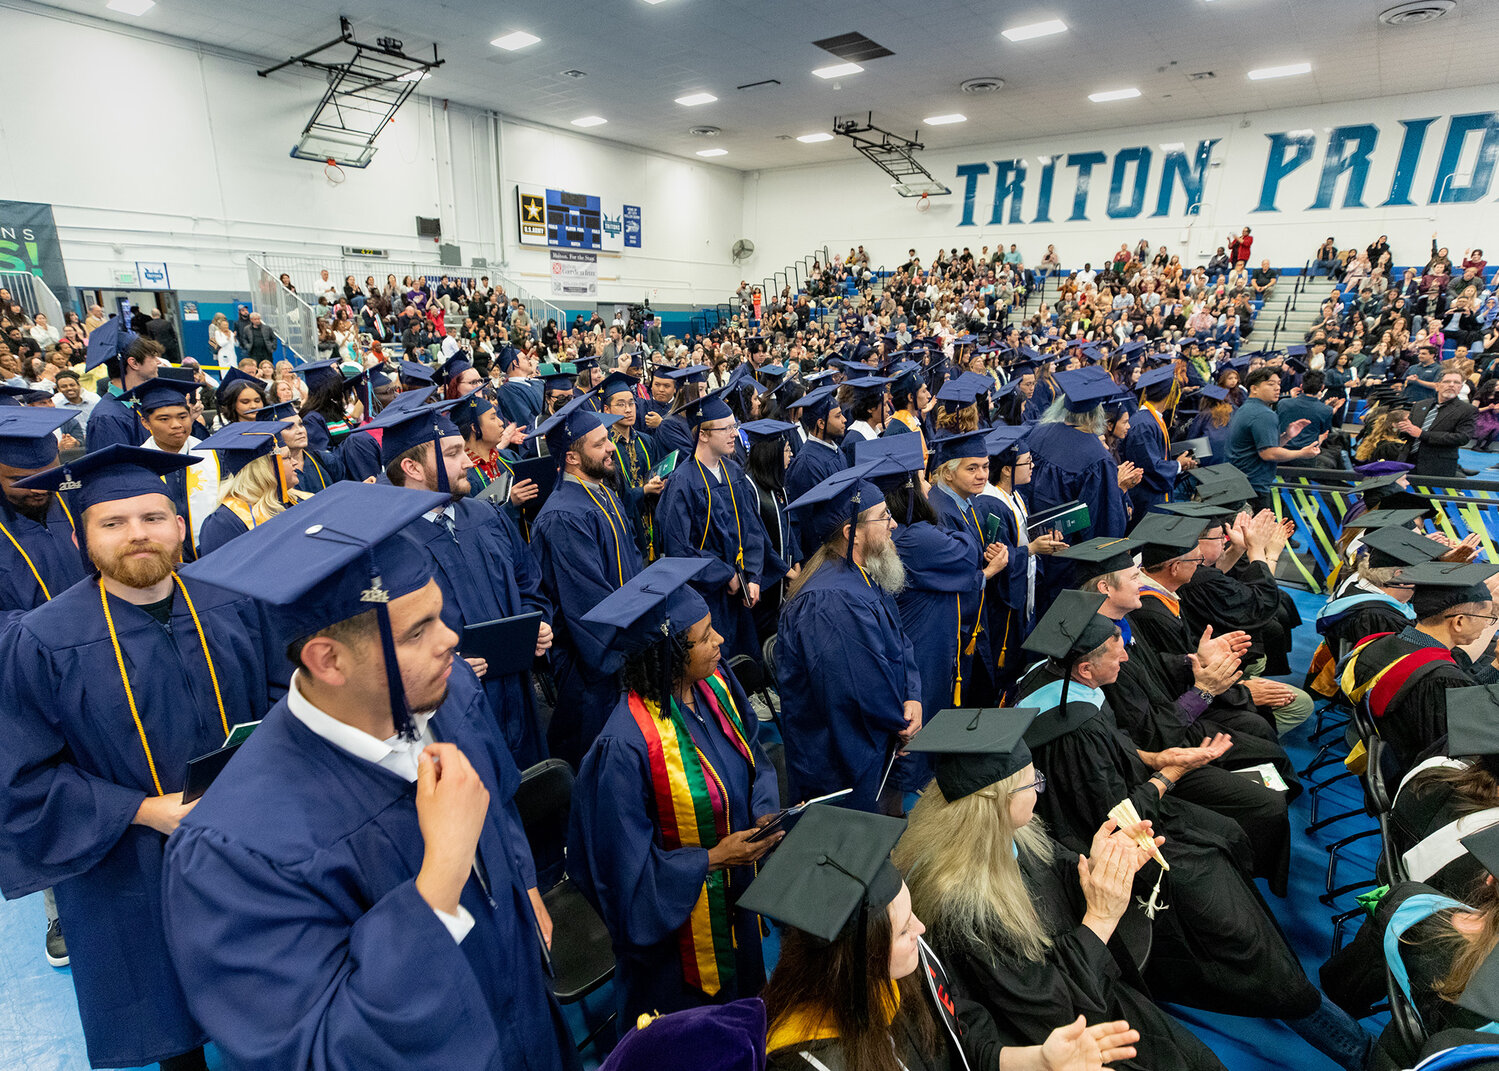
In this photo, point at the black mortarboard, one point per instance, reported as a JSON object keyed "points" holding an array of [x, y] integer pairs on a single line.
{"points": [[1484, 846], [975, 748], [1103, 555], [1393, 546], [1167, 536], [1071, 626], [832, 869], [338, 554], [1213, 512], [1376, 487], [1221, 484], [1442, 585], [1480, 996], [1473, 720], [1384, 518]]}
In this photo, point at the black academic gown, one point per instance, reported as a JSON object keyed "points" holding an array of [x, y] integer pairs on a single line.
{"points": [[581, 540], [73, 773], [1415, 718], [1247, 597], [299, 933], [486, 572], [1078, 975], [1217, 947]]}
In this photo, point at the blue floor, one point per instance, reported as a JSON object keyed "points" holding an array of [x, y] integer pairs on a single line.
{"points": [[39, 1027]]}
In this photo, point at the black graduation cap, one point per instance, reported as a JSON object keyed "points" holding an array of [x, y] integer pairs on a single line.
{"points": [[1385, 518], [1213, 512], [1484, 846], [1394, 546], [832, 868], [1167, 536], [1473, 720], [975, 748], [1103, 555], [1442, 585], [1221, 484], [1481, 994], [1403, 499], [1370, 489], [1071, 626]]}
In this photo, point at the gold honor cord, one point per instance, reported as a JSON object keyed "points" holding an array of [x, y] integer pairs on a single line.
{"points": [[619, 560], [213, 676], [46, 594]]}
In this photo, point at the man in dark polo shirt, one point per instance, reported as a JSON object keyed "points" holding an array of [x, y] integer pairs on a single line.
{"points": [[1256, 443]]}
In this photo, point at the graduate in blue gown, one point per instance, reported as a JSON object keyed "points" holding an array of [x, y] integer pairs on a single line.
{"points": [[582, 543], [521, 398], [346, 895], [38, 550], [1071, 464], [635, 454], [941, 567], [657, 407], [675, 432], [97, 744], [845, 669], [484, 568], [818, 457], [249, 455], [164, 409], [323, 413], [130, 361], [1148, 440], [711, 510], [665, 881]]}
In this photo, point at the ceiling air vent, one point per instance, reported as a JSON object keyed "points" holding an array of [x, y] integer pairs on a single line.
{"points": [[854, 47], [1416, 12], [573, 72], [982, 85], [705, 131]]}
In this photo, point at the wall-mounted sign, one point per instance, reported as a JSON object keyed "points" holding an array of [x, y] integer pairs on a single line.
{"points": [[124, 277], [153, 275], [563, 219], [28, 243], [574, 275], [365, 251]]}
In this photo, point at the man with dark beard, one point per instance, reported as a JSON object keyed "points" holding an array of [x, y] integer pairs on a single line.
{"points": [[111, 687], [846, 672], [586, 548], [484, 568]]}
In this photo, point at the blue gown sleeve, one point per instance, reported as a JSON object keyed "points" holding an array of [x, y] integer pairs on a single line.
{"points": [[1145, 447], [346, 996], [677, 518], [642, 891], [527, 572], [853, 675], [60, 819], [219, 527], [1099, 488], [318, 437], [580, 561]]}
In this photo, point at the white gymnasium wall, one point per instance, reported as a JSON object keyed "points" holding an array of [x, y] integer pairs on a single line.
{"points": [[150, 149], [788, 212]]}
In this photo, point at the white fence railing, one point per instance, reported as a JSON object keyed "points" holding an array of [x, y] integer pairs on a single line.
{"points": [[293, 320], [305, 273], [33, 295]]}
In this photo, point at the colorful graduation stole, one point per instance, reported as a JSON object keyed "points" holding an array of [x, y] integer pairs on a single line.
{"points": [[692, 811], [1393, 671]]}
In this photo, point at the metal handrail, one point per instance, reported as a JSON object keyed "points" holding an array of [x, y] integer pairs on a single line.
{"points": [[291, 318], [33, 294]]}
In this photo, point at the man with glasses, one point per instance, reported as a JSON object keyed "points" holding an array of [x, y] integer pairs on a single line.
{"points": [[634, 455], [710, 509]]}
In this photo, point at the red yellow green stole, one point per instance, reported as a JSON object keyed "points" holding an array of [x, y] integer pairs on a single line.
{"points": [[692, 811]]}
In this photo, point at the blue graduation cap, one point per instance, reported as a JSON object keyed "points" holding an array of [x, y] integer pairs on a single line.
{"points": [[470, 408], [582, 364], [1157, 383], [897, 460], [414, 372], [771, 369], [570, 423], [109, 475], [708, 407], [279, 411], [836, 501], [407, 428], [233, 376], [109, 340], [958, 447], [1086, 389], [1217, 394], [655, 604], [817, 404], [557, 376], [319, 374], [18, 397], [338, 555], [27, 439], [453, 368], [159, 393], [508, 356], [960, 393], [1007, 442], [693, 373], [240, 443], [617, 383]]}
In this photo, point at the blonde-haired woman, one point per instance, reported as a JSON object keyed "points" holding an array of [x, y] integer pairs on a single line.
{"points": [[221, 338], [257, 482], [1025, 926]]}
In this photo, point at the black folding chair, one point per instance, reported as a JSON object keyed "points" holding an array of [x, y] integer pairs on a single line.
{"points": [[1377, 802], [582, 955]]}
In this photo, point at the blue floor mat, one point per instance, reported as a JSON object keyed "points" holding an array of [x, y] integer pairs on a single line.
{"points": [[40, 1031]]}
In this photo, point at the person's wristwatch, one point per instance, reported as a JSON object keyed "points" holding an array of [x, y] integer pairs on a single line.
{"points": [[1207, 696], [1166, 782]]}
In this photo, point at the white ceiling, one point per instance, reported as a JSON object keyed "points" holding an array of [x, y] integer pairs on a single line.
{"points": [[639, 57]]}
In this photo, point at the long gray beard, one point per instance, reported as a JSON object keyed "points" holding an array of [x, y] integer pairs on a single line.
{"points": [[886, 569]]}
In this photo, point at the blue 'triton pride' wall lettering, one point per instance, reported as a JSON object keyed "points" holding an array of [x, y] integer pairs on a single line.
{"points": [[1176, 175]]}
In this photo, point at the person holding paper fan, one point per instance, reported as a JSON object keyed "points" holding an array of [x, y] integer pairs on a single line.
{"points": [[1033, 932], [110, 688], [667, 801]]}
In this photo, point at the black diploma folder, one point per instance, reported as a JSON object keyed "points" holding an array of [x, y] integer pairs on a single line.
{"points": [[508, 644]]}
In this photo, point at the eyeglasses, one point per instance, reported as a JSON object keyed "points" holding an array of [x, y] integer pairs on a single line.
{"points": [[1481, 617], [887, 519], [1039, 784], [722, 427], [1189, 561]]}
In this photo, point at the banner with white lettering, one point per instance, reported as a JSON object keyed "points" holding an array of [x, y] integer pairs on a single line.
{"points": [[28, 243]]}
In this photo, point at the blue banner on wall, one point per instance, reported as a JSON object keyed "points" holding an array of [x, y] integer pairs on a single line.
{"points": [[632, 226]]}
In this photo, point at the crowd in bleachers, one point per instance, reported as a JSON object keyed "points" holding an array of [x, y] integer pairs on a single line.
{"points": [[989, 552]]}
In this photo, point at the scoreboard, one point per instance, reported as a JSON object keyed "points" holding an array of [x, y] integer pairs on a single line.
{"points": [[563, 219]]}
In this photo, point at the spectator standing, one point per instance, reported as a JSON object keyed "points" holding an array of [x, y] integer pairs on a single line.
{"points": [[1256, 443], [1239, 247]]}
